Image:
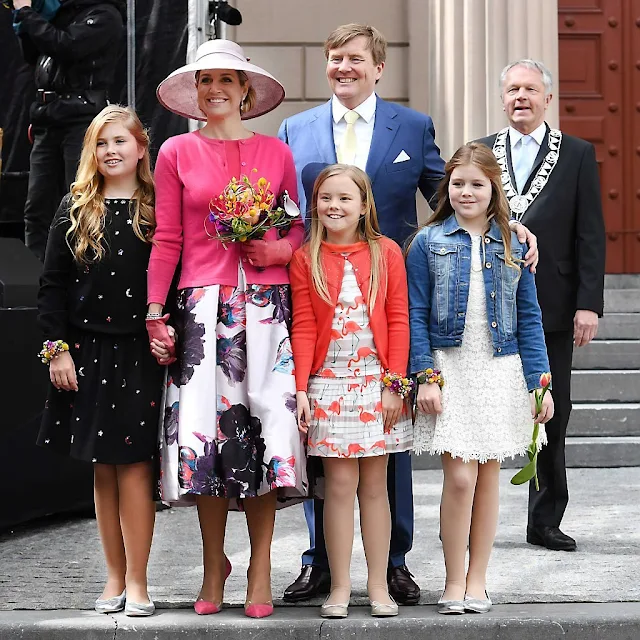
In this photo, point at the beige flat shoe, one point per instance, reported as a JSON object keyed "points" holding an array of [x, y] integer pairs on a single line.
{"points": [[334, 610], [379, 610]]}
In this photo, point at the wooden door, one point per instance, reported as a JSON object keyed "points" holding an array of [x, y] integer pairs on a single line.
{"points": [[599, 62]]}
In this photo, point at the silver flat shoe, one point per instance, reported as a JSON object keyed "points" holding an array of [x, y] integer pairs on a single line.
{"points": [[379, 610], [475, 605], [137, 609], [450, 607], [111, 605], [334, 610]]}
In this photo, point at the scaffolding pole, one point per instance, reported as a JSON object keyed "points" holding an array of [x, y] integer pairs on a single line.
{"points": [[131, 53]]}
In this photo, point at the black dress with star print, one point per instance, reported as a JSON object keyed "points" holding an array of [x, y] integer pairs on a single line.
{"points": [[99, 310]]}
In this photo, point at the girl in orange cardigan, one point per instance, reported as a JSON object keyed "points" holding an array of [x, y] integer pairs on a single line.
{"points": [[350, 343]]}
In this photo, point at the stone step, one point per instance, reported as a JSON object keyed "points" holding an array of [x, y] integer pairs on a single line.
{"points": [[552, 621], [622, 281], [622, 301], [619, 326], [601, 420], [615, 385], [608, 354], [620, 451]]}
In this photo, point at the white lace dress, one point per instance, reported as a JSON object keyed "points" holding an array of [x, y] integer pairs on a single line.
{"points": [[486, 413]]}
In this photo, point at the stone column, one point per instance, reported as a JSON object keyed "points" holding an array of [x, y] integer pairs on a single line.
{"points": [[458, 49]]}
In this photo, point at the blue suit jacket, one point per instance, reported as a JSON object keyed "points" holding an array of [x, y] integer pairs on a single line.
{"points": [[396, 129]]}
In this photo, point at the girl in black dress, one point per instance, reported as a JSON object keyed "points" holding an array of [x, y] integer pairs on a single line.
{"points": [[104, 402]]}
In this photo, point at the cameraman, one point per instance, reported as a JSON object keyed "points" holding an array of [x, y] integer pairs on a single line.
{"points": [[75, 56]]}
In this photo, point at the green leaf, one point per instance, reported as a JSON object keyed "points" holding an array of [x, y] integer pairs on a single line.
{"points": [[524, 475], [528, 472]]}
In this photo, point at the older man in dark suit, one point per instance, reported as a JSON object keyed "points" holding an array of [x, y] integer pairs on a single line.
{"points": [[552, 184]]}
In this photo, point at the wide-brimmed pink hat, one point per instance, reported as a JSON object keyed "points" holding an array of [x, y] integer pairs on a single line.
{"points": [[177, 92]]}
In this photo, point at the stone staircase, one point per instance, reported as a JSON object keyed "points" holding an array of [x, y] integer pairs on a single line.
{"points": [[604, 429]]}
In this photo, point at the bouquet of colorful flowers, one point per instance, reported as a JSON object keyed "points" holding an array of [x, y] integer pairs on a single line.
{"points": [[246, 210], [530, 470]]}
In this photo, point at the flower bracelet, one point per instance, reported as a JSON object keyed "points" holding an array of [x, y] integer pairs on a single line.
{"points": [[51, 349], [397, 384], [430, 376]]}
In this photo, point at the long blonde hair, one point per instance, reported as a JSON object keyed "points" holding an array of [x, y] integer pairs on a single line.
{"points": [[368, 230], [87, 213], [479, 155]]}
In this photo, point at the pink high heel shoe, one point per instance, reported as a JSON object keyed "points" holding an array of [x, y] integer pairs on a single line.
{"points": [[207, 608], [258, 610]]}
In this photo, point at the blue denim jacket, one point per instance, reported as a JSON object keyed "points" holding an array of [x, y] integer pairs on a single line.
{"points": [[438, 270]]}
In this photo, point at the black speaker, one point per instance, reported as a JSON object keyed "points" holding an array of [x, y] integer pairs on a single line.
{"points": [[19, 274], [41, 482]]}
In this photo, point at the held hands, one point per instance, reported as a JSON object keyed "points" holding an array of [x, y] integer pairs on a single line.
{"points": [[524, 235], [160, 351], [159, 334], [62, 372], [392, 405], [546, 413], [304, 411], [585, 327], [429, 398], [266, 253]]}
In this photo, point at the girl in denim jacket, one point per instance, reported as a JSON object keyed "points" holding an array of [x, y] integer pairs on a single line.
{"points": [[476, 326]]}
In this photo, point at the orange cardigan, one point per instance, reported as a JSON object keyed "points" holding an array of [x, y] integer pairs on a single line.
{"points": [[313, 317]]}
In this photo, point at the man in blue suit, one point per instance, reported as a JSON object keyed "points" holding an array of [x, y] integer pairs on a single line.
{"points": [[396, 147]]}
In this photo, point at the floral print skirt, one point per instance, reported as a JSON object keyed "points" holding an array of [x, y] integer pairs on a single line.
{"points": [[230, 427]]}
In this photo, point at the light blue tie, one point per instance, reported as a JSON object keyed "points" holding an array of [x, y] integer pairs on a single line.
{"points": [[522, 161]]}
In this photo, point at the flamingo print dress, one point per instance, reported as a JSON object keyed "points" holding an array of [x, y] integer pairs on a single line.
{"points": [[345, 395]]}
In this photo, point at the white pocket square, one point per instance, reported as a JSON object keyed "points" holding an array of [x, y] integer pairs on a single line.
{"points": [[402, 157]]}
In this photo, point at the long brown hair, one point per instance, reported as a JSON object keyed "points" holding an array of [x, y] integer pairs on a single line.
{"points": [[368, 230], [481, 156], [87, 214]]}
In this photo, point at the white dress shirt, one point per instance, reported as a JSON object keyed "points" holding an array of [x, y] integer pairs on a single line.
{"points": [[363, 126], [530, 150]]}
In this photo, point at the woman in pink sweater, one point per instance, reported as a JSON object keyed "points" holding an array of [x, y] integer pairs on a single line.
{"points": [[230, 436]]}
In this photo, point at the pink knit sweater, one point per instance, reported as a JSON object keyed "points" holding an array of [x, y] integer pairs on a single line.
{"points": [[191, 170]]}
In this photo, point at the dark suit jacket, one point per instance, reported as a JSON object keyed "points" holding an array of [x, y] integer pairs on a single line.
{"points": [[396, 129], [567, 219]]}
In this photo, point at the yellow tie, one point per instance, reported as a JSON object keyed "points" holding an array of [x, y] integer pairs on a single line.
{"points": [[349, 146]]}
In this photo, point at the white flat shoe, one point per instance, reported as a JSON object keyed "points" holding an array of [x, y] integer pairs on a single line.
{"points": [[111, 605], [450, 607], [475, 605], [137, 609]]}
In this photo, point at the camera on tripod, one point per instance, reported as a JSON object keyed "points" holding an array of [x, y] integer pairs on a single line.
{"points": [[220, 11]]}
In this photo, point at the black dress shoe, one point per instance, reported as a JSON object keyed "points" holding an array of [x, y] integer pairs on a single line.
{"points": [[551, 538], [311, 582], [402, 587]]}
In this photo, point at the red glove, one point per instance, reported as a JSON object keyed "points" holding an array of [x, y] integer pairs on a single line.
{"points": [[266, 253], [158, 329]]}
